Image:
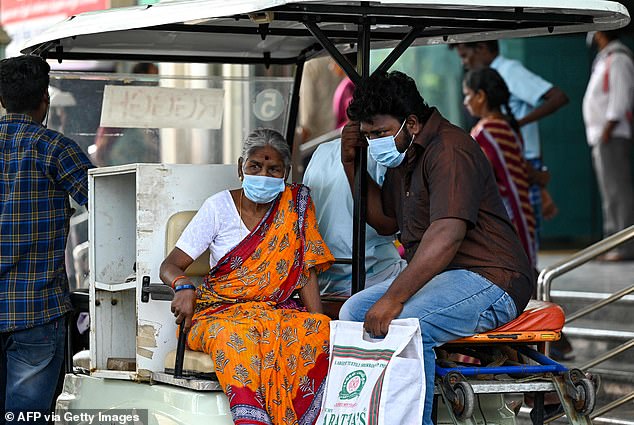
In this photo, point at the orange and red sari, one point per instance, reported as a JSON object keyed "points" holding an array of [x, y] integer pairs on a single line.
{"points": [[270, 355]]}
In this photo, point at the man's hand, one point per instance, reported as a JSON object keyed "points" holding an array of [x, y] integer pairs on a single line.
{"points": [[350, 139], [608, 129], [379, 317], [183, 307]]}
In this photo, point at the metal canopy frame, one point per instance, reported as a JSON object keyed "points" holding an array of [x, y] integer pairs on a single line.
{"points": [[338, 27], [434, 22]]}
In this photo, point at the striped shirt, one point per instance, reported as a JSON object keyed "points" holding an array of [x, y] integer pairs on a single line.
{"points": [[40, 168], [503, 147]]}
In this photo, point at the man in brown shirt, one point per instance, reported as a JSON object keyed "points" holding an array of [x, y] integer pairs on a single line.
{"points": [[467, 271]]}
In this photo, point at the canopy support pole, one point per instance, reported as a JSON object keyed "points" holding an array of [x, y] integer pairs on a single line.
{"points": [[360, 173], [333, 51], [294, 105]]}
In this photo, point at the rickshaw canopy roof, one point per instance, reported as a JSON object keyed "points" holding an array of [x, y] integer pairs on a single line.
{"points": [[275, 31]]}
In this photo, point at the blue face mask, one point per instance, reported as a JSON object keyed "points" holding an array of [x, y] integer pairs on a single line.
{"points": [[383, 150], [262, 189]]}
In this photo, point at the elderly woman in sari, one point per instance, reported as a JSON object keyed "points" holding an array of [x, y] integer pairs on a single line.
{"points": [[270, 352]]}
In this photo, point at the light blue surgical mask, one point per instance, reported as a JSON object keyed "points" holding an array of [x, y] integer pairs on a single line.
{"points": [[262, 189], [384, 151]]}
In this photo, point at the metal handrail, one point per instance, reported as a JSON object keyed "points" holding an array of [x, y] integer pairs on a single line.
{"points": [[611, 406], [597, 305], [547, 275], [599, 412], [606, 356], [544, 282]]}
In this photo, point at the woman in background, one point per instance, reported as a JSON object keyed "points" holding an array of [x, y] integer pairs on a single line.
{"points": [[486, 96]]}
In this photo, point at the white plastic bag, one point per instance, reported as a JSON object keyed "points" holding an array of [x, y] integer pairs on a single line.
{"points": [[374, 381]]}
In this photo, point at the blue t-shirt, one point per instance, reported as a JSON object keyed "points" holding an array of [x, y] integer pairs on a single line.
{"points": [[527, 90], [332, 196]]}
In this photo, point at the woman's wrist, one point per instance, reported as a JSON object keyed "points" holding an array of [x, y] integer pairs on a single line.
{"points": [[185, 286], [177, 279]]}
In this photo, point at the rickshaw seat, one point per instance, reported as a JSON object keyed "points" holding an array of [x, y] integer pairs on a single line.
{"points": [[194, 362], [332, 304], [175, 226], [541, 321]]}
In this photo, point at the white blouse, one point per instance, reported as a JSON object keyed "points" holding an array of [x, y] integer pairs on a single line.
{"points": [[217, 226]]}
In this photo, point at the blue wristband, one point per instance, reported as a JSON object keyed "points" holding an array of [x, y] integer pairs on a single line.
{"points": [[181, 287]]}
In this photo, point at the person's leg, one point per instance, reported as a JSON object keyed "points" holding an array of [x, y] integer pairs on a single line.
{"points": [[452, 305], [535, 199], [600, 155], [34, 359], [3, 374], [355, 308], [613, 169]]}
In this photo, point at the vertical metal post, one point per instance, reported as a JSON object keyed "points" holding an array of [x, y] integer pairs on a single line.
{"points": [[360, 172], [294, 106], [68, 358], [180, 351]]}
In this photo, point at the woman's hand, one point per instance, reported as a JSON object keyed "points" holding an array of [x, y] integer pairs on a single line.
{"points": [[309, 294], [350, 139], [183, 306]]}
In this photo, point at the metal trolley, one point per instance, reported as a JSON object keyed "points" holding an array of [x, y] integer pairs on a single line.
{"points": [[511, 359]]}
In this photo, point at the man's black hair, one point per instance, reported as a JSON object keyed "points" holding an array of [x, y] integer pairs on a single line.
{"points": [[612, 35], [23, 82], [492, 45], [392, 94]]}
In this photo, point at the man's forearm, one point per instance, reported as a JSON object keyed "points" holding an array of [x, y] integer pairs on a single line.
{"points": [[554, 99]]}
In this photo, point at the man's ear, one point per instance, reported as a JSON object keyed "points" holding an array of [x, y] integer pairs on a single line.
{"points": [[414, 126], [46, 99], [2, 102]]}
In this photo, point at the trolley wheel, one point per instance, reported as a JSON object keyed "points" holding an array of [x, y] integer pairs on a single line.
{"points": [[464, 402], [587, 396]]}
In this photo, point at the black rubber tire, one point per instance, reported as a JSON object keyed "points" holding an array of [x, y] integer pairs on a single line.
{"points": [[588, 396], [464, 408]]}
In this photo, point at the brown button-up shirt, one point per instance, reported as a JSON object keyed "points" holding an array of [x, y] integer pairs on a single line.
{"points": [[446, 175]]}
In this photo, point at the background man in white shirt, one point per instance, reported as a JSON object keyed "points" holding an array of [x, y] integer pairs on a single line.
{"points": [[331, 194], [607, 113]]}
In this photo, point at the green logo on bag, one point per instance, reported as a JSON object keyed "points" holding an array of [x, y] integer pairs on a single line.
{"points": [[352, 385]]}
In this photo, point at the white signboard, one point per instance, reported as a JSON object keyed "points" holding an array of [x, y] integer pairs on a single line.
{"points": [[161, 107]]}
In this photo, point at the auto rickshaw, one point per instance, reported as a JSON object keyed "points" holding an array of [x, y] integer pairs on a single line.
{"points": [[137, 211]]}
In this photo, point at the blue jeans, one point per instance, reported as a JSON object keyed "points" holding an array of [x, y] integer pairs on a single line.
{"points": [[452, 305], [32, 360]]}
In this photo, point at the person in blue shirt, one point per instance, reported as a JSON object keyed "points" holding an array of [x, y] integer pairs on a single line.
{"points": [[39, 169], [333, 204], [532, 98]]}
